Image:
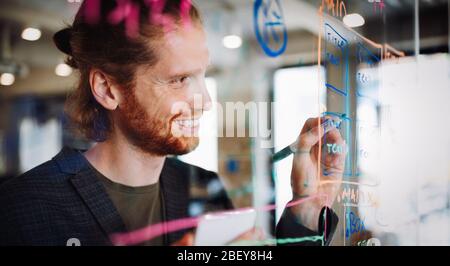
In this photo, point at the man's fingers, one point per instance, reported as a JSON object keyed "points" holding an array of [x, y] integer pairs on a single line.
{"points": [[334, 135], [254, 234], [312, 131], [310, 138], [334, 155], [312, 123], [187, 240]]}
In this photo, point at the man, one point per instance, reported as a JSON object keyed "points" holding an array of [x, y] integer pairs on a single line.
{"points": [[138, 60]]}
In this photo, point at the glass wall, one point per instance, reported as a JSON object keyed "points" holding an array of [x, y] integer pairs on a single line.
{"points": [[379, 67]]}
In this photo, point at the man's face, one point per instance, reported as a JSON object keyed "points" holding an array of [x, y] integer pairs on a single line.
{"points": [[160, 116]]}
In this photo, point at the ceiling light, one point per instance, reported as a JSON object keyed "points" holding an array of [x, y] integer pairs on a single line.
{"points": [[31, 34], [232, 41], [7, 79], [63, 70], [354, 20]]}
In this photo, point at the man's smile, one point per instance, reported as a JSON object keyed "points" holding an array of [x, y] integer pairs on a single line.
{"points": [[188, 125]]}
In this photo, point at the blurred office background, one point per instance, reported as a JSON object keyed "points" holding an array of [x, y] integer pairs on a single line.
{"points": [[35, 82]]}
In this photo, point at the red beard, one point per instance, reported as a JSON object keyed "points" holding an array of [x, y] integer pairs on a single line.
{"points": [[151, 134]]}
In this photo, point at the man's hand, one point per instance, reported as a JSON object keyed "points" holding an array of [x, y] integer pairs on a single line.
{"points": [[187, 240], [254, 234], [305, 178]]}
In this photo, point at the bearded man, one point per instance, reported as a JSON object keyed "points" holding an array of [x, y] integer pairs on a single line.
{"points": [[137, 61]]}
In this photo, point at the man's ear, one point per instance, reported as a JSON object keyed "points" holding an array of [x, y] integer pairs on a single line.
{"points": [[104, 91]]}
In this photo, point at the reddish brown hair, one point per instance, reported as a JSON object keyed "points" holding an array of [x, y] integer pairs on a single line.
{"points": [[115, 37]]}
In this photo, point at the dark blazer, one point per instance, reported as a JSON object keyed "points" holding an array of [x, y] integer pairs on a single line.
{"points": [[63, 199]]}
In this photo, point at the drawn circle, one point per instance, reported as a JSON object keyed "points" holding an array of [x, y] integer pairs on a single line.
{"points": [[265, 45]]}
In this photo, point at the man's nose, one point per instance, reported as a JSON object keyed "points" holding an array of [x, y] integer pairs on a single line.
{"points": [[202, 99], [207, 102]]}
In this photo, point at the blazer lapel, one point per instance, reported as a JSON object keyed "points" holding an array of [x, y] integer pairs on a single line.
{"points": [[175, 188], [96, 198], [91, 190]]}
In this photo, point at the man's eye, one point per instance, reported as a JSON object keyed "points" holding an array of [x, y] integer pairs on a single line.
{"points": [[180, 80]]}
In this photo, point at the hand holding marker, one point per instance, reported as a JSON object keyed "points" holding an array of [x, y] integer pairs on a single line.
{"points": [[327, 125]]}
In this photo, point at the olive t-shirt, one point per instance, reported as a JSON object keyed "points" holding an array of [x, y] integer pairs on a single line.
{"points": [[138, 206]]}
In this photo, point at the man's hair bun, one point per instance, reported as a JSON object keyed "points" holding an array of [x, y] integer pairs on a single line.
{"points": [[62, 41]]}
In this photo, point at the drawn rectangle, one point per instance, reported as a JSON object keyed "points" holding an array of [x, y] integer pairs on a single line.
{"points": [[336, 55]]}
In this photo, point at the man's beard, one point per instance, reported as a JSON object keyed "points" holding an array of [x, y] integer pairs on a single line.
{"points": [[152, 135]]}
